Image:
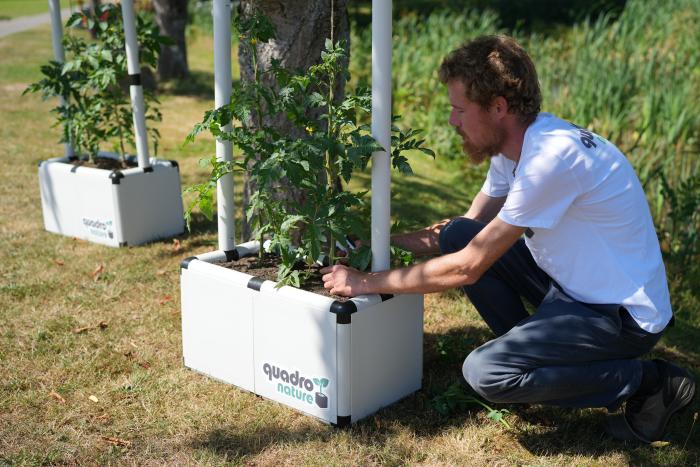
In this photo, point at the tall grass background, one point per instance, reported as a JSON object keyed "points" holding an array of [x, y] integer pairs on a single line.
{"points": [[634, 79]]}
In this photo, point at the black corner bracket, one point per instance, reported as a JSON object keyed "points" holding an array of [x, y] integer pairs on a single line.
{"points": [[386, 296], [184, 264], [255, 283], [343, 311], [116, 176], [122, 244], [39, 164], [135, 79], [147, 170], [232, 255], [343, 421], [174, 164]]}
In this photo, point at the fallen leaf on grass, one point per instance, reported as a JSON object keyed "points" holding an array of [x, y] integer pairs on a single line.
{"points": [[165, 300], [142, 363], [177, 246], [57, 396], [94, 398], [116, 441], [161, 272], [59, 262], [97, 272], [659, 444], [101, 325]]}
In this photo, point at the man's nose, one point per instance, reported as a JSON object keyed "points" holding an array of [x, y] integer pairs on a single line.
{"points": [[454, 121]]}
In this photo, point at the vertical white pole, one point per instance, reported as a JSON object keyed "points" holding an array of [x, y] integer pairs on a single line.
{"points": [[381, 130], [138, 108], [57, 36], [222, 96]]}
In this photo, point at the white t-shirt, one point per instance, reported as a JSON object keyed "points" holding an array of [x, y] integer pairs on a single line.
{"points": [[592, 228]]}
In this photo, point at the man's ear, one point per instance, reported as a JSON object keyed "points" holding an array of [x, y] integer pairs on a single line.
{"points": [[499, 106]]}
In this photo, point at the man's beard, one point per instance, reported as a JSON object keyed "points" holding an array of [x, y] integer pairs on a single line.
{"points": [[478, 154]]}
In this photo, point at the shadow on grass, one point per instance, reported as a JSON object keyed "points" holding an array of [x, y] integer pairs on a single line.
{"points": [[418, 201], [202, 233], [230, 444], [200, 225], [443, 357], [199, 84], [683, 338], [557, 431]]}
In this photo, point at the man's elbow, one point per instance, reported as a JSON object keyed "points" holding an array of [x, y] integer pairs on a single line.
{"points": [[468, 276]]}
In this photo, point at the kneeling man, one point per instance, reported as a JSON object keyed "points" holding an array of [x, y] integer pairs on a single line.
{"points": [[562, 222]]}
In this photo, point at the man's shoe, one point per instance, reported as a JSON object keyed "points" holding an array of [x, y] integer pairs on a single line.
{"points": [[645, 417]]}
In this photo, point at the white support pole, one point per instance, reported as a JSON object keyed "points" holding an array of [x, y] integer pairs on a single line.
{"points": [[381, 130], [222, 95], [138, 107], [57, 36]]}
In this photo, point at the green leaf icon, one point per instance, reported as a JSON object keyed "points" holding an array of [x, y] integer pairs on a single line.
{"points": [[323, 383], [317, 382]]}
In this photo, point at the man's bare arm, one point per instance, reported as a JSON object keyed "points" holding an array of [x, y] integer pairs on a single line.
{"points": [[421, 242], [484, 208], [426, 241], [445, 272]]}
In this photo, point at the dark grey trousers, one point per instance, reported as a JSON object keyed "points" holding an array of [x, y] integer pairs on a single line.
{"points": [[567, 353]]}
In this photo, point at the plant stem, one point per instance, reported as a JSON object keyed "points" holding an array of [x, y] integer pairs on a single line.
{"points": [[330, 162], [258, 116]]}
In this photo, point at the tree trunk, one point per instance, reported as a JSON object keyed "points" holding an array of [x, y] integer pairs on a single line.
{"points": [[94, 5], [302, 29], [171, 17]]}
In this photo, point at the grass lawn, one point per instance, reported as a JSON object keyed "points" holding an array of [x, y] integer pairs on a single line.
{"points": [[15, 8], [91, 366]]}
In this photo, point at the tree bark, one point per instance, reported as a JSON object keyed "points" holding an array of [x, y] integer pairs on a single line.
{"points": [[302, 29], [171, 17], [94, 5]]}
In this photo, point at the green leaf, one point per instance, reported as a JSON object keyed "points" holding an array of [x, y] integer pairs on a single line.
{"points": [[291, 221], [360, 258]]}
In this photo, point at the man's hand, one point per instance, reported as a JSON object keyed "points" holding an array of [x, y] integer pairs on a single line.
{"points": [[343, 280]]}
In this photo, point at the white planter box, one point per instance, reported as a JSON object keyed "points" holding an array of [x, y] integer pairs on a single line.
{"points": [[274, 342], [111, 207]]}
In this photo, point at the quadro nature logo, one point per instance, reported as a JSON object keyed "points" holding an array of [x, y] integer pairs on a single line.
{"points": [[98, 228], [297, 386]]}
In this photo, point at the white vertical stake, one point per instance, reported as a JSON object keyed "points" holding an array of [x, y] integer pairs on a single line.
{"points": [[381, 130], [138, 107], [222, 95], [57, 36]]}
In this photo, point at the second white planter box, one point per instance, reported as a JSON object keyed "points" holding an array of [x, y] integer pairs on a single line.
{"points": [[337, 361], [111, 207]]}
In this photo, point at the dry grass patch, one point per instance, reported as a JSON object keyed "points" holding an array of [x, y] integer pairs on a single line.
{"points": [[146, 409]]}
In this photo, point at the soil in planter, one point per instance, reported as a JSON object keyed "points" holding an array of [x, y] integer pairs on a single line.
{"points": [[106, 163], [266, 268]]}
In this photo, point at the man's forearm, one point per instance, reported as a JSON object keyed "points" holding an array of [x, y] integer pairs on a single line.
{"points": [[422, 242], [434, 275]]}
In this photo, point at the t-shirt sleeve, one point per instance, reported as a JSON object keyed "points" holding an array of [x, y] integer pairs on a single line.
{"points": [[496, 183], [539, 198]]}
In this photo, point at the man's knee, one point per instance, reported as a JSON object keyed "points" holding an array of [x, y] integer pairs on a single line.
{"points": [[458, 233], [489, 376]]}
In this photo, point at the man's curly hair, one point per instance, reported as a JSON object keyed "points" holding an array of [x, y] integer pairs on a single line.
{"points": [[492, 66]]}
